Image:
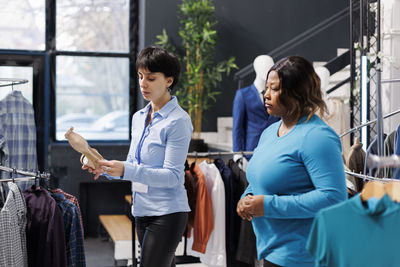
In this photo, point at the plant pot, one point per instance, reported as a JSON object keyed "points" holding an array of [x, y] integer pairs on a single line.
{"points": [[198, 145]]}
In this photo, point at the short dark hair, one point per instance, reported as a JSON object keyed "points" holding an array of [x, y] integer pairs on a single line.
{"points": [[157, 59], [300, 87]]}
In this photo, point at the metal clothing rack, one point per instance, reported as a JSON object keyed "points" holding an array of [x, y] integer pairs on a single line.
{"points": [[44, 175], [32, 176], [378, 161], [391, 81], [207, 154], [18, 179], [187, 258], [368, 123], [370, 178], [374, 161], [11, 81]]}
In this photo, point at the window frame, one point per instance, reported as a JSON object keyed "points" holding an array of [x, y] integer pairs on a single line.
{"points": [[44, 82]]}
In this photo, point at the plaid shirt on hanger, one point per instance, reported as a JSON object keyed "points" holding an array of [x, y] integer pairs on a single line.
{"points": [[13, 251], [73, 232], [17, 135], [74, 201]]}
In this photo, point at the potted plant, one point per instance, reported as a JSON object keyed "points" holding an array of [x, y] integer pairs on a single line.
{"points": [[197, 88]]}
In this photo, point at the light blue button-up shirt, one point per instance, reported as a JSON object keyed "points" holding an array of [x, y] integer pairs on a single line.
{"points": [[156, 159]]}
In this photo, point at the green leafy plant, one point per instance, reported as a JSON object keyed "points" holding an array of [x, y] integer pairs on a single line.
{"points": [[197, 88]]}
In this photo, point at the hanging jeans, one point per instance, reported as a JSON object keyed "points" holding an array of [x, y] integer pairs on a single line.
{"points": [[159, 237]]}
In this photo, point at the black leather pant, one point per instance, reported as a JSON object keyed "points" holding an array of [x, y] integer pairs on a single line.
{"points": [[158, 237]]}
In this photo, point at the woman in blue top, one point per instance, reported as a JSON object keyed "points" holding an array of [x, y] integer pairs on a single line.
{"points": [[161, 133], [296, 169]]}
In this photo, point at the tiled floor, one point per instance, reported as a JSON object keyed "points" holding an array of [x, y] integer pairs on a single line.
{"points": [[99, 253]]}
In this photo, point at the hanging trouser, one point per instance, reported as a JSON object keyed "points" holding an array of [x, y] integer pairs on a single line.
{"points": [[159, 237]]}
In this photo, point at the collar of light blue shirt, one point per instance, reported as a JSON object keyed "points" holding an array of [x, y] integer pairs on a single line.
{"points": [[165, 110]]}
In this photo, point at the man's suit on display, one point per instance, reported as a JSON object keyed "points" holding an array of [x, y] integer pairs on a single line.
{"points": [[250, 118]]}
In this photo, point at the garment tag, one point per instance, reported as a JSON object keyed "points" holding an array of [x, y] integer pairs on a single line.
{"points": [[139, 187]]}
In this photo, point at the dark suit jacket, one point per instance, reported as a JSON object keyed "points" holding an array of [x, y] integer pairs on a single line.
{"points": [[250, 119]]}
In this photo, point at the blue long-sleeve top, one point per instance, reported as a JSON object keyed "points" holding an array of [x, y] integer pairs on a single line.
{"points": [[156, 158], [298, 173]]}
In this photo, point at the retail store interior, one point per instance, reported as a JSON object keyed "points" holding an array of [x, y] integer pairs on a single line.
{"points": [[70, 63]]}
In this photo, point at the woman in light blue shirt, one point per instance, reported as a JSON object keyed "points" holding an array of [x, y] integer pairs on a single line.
{"points": [[296, 168], [161, 133]]}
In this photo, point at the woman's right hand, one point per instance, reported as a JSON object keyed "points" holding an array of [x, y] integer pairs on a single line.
{"points": [[98, 171], [241, 209]]}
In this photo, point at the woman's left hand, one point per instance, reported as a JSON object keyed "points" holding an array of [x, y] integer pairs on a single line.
{"points": [[254, 205], [112, 167]]}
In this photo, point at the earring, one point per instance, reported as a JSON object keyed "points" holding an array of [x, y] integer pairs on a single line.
{"points": [[169, 89]]}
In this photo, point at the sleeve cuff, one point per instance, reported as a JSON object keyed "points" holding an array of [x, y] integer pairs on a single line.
{"points": [[109, 177], [266, 202], [130, 171]]}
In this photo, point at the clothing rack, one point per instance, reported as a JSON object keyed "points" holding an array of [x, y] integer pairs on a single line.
{"points": [[370, 178], [222, 153], [368, 123], [11, 81], [374, 161], [44, 175], [32, 176], [390, 81], [18, 179], [187, 258]]}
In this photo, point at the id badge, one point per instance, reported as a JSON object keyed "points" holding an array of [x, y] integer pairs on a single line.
{"points": [[139, 187]]}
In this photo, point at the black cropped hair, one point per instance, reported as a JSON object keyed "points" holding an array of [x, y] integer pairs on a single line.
{"points": [[157, 59]]}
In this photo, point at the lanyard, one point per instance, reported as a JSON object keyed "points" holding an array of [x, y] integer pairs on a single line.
{"points": [[139, 147]]}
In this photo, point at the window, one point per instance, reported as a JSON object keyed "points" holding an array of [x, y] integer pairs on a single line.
{"points": [[88, 50], [22, 24], [92, 95], [92, 90], [87, 25]]}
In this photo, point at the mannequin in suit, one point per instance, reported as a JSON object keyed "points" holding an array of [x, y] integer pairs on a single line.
{"points": [[250, 117]]}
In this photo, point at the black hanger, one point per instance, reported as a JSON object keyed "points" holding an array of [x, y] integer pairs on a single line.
{"points": [[11, 174], [219, 156], [2, 197], [186, 165], [44, 182], [2, 193]]}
